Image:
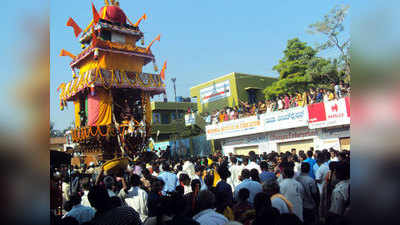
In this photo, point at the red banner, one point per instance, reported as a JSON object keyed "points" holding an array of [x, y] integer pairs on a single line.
{"points": [[347, 99], [316, 112], [330, 113]]}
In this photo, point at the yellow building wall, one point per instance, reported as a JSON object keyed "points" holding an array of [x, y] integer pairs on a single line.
{"points": [[219, 104], [238, 83]]}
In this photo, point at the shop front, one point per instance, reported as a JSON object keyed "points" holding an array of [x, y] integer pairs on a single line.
{"points": [[297, 138], [337, 138], [304, 145], [243, 145]]}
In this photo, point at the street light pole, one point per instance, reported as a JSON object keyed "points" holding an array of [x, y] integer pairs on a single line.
{"points": [[176, 115]]}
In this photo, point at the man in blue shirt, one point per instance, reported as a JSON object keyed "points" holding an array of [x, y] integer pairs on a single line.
{"points": [[253, 186], [170, 179], [312, 162], [265, 175]]}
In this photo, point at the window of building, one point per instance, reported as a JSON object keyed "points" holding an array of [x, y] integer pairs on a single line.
{"points": [[252, 96], [156, 117], [165, 118], [105, 35], [175, 116], [117, 37]]}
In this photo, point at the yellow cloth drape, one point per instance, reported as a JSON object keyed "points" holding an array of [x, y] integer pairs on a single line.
{"points": [[217, 178], [114, 62], [105, 107], [147, 107], [77, 115]]}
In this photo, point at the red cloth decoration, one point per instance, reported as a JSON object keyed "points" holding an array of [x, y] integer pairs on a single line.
{"points": [[96, 16], [113, 14], [66, 53], [73, 24], [162, 73]]}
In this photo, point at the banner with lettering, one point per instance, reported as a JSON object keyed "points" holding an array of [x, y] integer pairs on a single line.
{"points": [[215, 92], [285, 119], [330, 113], [249, 125]]}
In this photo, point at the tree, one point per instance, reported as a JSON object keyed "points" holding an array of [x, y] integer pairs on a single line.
{"points": [[295, 60], [300, 69], [322, 72], [292, 69], [332, 27]]}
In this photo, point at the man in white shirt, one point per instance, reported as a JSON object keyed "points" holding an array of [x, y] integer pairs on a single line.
{"points": [[311, 195], [85, 200], [252, 164], [188, 168], [293, 191], [235, 170], [135, 197], [253, 186], [280, 103], [322, 170], [340, 199], [81, 213]]}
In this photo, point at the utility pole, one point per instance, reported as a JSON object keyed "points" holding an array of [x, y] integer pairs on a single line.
{"points": [[176, 115]]}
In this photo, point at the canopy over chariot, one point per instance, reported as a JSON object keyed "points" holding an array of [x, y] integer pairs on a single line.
{"points": [[111, 94]]}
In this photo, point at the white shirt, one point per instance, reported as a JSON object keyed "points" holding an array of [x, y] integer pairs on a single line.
{"points": [[294, 192], [340, 196], [210, 217], [253, 165], [81, 213], [280, 104], [137, 199], [85, 200], [188, 168], [233, 180], [321, 174], [65, 191], [187, 189], [326, 97]]}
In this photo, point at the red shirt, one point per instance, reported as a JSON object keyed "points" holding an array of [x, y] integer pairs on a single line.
{"points": [[286, 102], [226, 118]]}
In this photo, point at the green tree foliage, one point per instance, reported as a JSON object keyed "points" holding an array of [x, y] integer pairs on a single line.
{"points": [[322, 72], [295, 60], [332, 27], [300, 69]]}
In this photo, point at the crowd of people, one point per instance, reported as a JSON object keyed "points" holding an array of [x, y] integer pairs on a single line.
{"points": [[282, 102], [297, 187]]}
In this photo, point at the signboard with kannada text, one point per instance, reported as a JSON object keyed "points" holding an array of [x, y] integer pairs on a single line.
{"points": [[249, 125], [285, 119]]}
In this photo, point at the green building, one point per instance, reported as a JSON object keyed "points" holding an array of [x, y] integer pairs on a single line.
{"points": [[169, 119], [226, 91]]}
